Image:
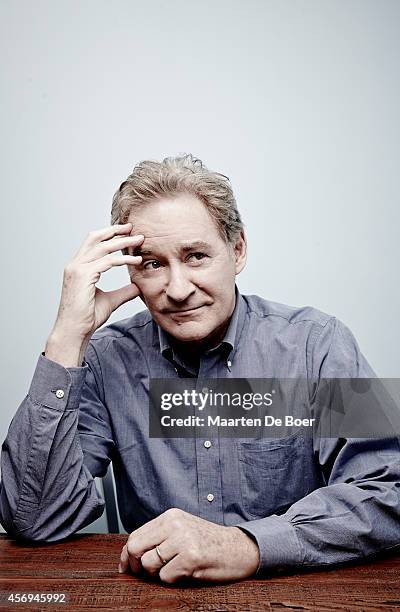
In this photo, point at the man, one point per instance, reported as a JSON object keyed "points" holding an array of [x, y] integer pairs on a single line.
{"points": [[217, 509]]}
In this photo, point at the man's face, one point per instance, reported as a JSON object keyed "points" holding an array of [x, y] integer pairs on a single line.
{"points": [[187, 275]]}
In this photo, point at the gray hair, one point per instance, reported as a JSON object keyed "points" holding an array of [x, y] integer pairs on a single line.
{"points": [[185, 173]]}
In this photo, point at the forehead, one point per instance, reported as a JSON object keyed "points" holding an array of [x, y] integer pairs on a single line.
{"points": [[182, 218]]}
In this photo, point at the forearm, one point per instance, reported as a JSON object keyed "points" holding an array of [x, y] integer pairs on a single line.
{"points": [[47, 492], [355, 516], [64, 349]]}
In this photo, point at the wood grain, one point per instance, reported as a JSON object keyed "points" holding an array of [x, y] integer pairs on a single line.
{"points": [[86, 569]]}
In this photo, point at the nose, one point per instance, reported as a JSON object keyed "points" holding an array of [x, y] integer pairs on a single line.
{"points": [[179, 286]]}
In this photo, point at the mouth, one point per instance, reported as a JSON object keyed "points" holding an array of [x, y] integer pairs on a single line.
{"points": [[186, 312]]}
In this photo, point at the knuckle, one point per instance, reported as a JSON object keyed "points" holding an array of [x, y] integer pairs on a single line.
{"points": [[174, 518], [193, 555], [146, 561], [69, 267], [131, 547], [198, 574], [167, 576], [173, 513], [70, 270], [176, 524]]}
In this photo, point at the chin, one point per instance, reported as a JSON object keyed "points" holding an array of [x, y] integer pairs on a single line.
{"points": [[188, 332]]}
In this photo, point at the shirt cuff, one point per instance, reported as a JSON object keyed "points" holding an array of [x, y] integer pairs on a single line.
{"points": [[277, 540], [55, 386]]}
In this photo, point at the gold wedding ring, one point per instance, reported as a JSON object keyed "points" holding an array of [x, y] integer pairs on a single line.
{"points": [[163, 561]]}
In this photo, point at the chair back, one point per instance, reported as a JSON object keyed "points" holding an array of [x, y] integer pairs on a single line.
{"points": [[109, 498]]}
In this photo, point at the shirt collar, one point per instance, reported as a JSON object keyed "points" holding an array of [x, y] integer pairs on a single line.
{"points": [[232, 334]]}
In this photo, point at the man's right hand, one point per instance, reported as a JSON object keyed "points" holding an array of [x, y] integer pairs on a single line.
{"points": [[83, 306]]}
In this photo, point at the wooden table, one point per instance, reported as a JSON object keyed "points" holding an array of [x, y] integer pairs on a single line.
{"points": [[85, 569]]}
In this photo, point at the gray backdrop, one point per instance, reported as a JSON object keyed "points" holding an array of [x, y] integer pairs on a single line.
{"points": [[296, 101]]}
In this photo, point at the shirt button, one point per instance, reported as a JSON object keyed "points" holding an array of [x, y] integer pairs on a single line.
{"points": [[204, 390], [207, 443], [229, 363], [59, 393], [210, 497]]}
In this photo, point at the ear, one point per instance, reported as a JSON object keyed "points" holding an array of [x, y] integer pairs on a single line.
{"points": [[240, 253]]}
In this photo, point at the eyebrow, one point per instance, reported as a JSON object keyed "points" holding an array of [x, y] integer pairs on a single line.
{"points": [[196, 245]]}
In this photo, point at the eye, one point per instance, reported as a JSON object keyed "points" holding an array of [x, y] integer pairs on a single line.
{"points": [[151, 265], [198, 256]]}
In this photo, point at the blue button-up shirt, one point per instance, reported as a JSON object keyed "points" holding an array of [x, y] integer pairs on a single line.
{"points": [[305, 501]]}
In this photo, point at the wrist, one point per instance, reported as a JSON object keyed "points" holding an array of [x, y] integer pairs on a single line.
{"points": [[66, 349], [249, 549]]}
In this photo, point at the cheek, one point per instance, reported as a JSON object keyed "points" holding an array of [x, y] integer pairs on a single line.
{"points": [[224, 267], [151, 287], [216, 278]]}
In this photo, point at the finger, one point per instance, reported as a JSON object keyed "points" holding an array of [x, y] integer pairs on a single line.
{"points": [[111, 246], [147, 537], [175, 570], [127, 562], [119, 296], [109, 261], [107, 232], [123, 561], [151, 561], [157, 530], [96, 236]]}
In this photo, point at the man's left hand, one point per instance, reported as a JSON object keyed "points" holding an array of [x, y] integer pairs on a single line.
{"points": [[189, 546]]}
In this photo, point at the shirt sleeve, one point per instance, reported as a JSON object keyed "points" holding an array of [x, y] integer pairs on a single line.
{"points": [[357, 513], [48, 491]]}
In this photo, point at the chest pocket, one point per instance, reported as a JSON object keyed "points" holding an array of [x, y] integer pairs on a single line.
{"points": [[272, 474]]}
